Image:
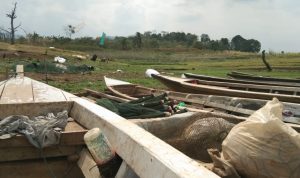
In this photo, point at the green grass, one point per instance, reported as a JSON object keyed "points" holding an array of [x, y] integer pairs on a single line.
{"points": [[75, 87], [174, 62]]}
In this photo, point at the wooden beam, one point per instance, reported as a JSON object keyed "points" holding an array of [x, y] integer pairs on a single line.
{"points": [[17, 90], [46, 93], [26, 153], [215, 105], [87, 165], [73, 135], [146, 154], [103, 95], [33, 109], [20, 70], [60, 167]]}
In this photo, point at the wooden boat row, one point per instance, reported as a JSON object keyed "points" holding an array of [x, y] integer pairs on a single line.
{"points": [[286, 94], [233, 80], [251, 77], [143, 153], [252, 87], [138, 143], [233, 105]]}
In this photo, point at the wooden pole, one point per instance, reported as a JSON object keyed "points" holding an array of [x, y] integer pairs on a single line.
{"points": [[46, 71], [263, 56]]}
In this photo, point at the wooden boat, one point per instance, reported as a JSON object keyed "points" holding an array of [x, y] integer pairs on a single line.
{"points": [[253, 87], [233, 105], [193, 86], [232, 80], [145, 154], [251, 77]]}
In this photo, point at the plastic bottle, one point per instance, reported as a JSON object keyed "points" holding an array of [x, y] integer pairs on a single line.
{"points": [[98, 146]]}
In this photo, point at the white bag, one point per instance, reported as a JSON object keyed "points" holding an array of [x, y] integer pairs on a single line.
{"points": [[263, 146]]}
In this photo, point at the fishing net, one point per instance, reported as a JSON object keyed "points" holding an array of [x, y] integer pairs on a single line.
{"points": [[201, 134], [41, 67], [146, 107], [128, 110]]}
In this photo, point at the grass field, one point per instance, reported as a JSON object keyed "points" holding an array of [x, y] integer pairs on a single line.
{"points": [[134, 64]]}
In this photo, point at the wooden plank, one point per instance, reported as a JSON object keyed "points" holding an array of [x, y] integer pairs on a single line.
{"points": [[46, 93], [146, 154], [89, 99], [87, 165], [17, 90], [60, 167], [103, 95], [25, 153], [2, 86], [33, 109], [215, 105], [73, 135], [69, 96], [20, 70]]}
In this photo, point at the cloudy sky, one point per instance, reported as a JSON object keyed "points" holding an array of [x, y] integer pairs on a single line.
{"points": [[275, 23]]}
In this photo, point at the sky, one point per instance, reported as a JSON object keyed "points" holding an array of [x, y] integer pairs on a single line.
{"points": [[275, 23]]}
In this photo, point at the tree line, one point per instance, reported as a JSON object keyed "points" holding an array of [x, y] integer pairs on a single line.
{"points": [[146, 40], [181, 39]]}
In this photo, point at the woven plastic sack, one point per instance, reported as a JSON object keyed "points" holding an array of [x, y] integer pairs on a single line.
{"points": [[263, 146]]}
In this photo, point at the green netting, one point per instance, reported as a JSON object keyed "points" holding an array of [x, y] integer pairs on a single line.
{"points": [[146, 107], [128, 110], [41, 67]]}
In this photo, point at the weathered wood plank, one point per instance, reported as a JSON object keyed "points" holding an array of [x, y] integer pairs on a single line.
{"points": [[73, 135], [2, 86], [103, 95], [17, 90], [45, 93], [20, 70], [87, 165], [33, 109], [146, 154], [69, 96], [61, 167], [25, 153]]}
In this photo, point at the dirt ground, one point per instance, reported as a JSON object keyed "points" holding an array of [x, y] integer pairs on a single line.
{"points": [[65, 77], [22, 54]]}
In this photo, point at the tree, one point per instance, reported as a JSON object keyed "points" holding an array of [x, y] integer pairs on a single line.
{"points": [[137, 41], [237, 43], [12, 16], [252, 46], [191, 39], [70, 30], [124, 44], [224, 44], [205, 38]]}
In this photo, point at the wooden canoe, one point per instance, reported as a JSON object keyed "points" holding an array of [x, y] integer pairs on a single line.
{"points": [[192, 86], [234, 105], [233, 80], [251, 77], [139, 149], [252, 87]]}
